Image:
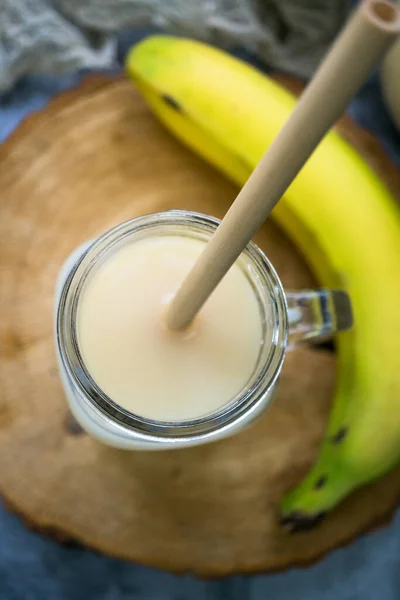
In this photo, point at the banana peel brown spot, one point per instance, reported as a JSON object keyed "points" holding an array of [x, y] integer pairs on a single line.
{"points": [[321, 481], [172, 103], [340, 435]]}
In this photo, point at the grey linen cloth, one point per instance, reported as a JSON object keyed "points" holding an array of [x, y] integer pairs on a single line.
{"points": [[58, 36]]}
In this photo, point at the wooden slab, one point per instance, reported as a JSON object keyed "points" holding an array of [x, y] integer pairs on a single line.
{"points": [[94, 158]]}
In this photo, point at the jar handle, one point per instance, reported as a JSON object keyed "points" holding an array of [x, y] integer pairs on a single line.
{"points": [[317, 314]]}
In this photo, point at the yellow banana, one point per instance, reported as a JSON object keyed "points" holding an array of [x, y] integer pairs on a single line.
{"points": [[345, 222]]}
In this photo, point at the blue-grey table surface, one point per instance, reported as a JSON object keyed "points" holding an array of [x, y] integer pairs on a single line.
{"points": [[33, 567]]}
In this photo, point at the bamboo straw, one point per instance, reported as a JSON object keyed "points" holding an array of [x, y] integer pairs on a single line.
{"points": [[363, 42]]}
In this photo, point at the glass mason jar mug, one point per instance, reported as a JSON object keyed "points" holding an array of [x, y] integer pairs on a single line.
{"points": [[286, 317]]}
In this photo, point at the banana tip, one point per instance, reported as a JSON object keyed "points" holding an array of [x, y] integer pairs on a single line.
{"points": [[297, 521]]}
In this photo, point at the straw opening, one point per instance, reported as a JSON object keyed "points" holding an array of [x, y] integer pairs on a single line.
{"points": [[384, 13]]}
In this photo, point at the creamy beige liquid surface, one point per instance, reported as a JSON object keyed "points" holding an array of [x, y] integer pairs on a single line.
{"points": [[145, 368]]}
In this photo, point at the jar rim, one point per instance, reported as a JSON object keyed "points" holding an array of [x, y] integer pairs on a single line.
{"points": [[265, 374]]}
